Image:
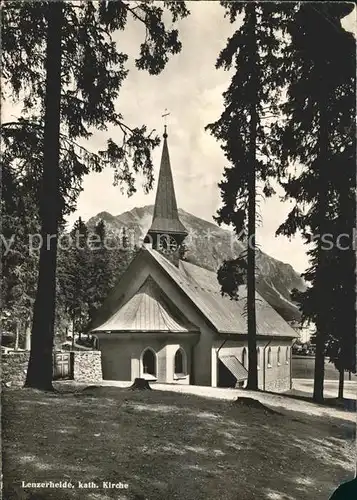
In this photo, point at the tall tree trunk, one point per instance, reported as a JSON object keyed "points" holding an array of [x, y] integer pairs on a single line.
{"points": [[17, 335], [39, 373], [319, 375], [341, 382], [27, 335], [319, 372], [252, 324]]}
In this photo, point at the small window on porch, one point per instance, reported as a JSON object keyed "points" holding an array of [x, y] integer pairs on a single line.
{"points": [[149, 362], [180, 368], [279, 356]]}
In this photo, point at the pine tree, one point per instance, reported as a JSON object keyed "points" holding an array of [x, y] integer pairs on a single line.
{"points": [[318, 138], [75, 85], [19, 262], [101, 269], [123, 251], [250, 101], [39, 372], [81, 276], [86, 273]]}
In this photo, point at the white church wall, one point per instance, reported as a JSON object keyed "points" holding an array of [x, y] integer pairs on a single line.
{"points": [[116, 359], [278, 373], [214, 365], [135, 367], [170, 360], [171, 350], [162, 364], [276, 377], [203, 358]]}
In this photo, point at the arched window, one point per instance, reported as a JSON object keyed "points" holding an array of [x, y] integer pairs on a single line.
{"points": [[258, 358], [269, 357], [149, 362], [180, 362], [279, 356], [287, 355], [244, 357]]}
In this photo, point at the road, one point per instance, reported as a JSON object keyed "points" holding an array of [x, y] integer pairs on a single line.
{"points": [[303, 368], [304, 387]]}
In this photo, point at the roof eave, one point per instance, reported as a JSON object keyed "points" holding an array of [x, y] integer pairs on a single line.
{"points": [[182, 232], [258, 336]]}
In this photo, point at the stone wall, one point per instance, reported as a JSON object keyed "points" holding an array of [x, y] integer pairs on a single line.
{"points": [[279, 385], [14, 368], [87, 366]]}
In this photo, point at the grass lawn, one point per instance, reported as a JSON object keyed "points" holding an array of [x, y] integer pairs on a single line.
{"points": [[168, 446]]}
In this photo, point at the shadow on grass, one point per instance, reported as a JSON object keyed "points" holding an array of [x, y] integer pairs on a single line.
{"points": [[346, 404], [167, 445]]}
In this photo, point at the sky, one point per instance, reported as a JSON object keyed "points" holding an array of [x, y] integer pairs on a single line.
{"points": [[190, 88]]}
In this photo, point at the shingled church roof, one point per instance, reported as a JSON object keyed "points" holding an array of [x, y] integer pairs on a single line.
{"points": [[225, 315]]}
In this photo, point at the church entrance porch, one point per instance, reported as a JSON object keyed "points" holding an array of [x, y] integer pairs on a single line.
{"points": [[164, 359]]}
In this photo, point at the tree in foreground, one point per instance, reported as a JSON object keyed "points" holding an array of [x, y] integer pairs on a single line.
{"points": [[61, 60], [250, 105], [318, 140]]}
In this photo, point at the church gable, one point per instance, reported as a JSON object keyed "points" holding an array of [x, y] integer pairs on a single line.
{"points": [[162, 290], [150, 310], [124, 289]]}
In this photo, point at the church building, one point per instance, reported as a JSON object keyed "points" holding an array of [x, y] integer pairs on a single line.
{"points": [[166, 320]]}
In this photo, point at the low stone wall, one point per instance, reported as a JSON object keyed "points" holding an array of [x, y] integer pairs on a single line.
{"points": [[14, 368], [279, 385], [87, 366]]}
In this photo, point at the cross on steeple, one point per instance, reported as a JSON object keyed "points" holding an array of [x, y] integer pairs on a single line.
{"points": [[165, 115]]}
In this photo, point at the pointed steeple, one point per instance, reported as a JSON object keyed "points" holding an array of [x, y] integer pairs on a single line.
{"points": [[166, 219]]}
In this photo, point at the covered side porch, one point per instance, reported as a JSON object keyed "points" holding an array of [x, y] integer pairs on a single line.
{"points": [[147, 337]]}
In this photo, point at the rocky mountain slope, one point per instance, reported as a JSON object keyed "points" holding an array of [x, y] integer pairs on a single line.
{"points": [[208, 245]]}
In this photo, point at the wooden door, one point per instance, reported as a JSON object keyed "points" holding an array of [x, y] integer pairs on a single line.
{"points": [[61, 365]]}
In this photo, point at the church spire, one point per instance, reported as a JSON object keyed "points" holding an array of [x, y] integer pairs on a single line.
{"points": [[166, 219], [166, 225]]}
